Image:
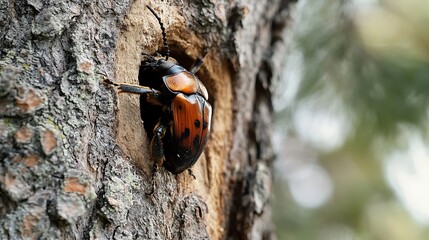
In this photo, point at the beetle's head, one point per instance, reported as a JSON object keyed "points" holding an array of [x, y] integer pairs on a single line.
{"points": [[165, 65]]}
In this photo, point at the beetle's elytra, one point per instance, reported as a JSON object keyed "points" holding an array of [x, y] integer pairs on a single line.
{"points": [[174, 109]]}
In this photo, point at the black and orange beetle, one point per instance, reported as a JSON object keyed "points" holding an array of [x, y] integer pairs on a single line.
{"points": [[174, 109]]}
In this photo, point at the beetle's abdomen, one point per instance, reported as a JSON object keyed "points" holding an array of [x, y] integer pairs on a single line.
{"points": [[191, 125]]}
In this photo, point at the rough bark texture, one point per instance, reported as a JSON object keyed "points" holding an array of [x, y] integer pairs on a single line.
{"points": [[74, 154]]}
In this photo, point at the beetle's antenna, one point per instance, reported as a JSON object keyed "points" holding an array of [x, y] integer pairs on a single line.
{"points": [[164, 35]]}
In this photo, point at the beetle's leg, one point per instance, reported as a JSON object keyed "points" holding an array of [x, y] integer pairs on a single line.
{"points": [[198, 63], [157, 150], [149, 61], [137, 89], [148, 57], [191, 173], [153, 95]]}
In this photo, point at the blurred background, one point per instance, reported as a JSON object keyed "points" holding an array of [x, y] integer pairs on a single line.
{"points": [[351, 130]]}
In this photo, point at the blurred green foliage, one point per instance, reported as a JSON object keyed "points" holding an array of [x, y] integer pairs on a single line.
{"points": [[380, 81], [370, 60]]}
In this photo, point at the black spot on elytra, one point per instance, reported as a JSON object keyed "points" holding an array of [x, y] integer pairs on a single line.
{"points": [[205, 124], [197, 141], [180, 107], [197, 123], [185, 134]]}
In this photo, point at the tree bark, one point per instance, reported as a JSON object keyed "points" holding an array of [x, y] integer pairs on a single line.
{"points": [[75, 162]]}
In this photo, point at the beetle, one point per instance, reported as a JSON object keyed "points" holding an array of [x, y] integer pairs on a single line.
{"points": [[174, 108]]}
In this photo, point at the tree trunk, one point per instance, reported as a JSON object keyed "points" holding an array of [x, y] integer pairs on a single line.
{"points": [[75, 162]]}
